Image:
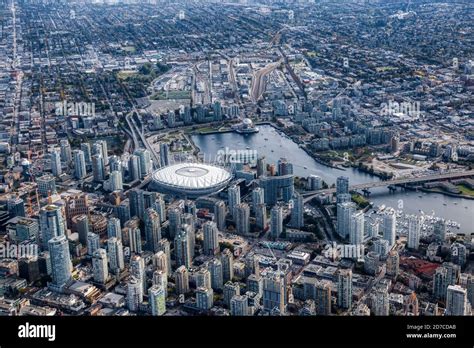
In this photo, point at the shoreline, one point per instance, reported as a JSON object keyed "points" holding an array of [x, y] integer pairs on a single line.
{"points": [[197, 150], [455, 195]]}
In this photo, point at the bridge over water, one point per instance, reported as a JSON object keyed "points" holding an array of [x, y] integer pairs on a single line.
{"points": [[452, 175]]}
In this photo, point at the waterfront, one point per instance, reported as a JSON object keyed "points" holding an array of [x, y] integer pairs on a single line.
{"points": [[278, 146]]}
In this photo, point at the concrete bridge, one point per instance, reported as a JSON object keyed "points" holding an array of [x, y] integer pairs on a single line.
{"points": [[365, 187]]}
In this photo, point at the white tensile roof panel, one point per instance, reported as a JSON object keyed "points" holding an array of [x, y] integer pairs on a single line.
{"points": [[193, 176]]}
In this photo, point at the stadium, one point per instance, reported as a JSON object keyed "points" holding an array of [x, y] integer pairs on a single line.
{"points": [[190, 179]]}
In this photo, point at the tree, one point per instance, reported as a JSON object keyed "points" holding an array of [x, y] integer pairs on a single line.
{"points": [[162, 68]]}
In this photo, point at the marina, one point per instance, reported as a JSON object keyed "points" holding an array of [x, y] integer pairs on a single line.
{"points": [[443, 206]]}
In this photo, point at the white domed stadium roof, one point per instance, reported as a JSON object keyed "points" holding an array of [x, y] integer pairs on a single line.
{"points": [[191, 178]]}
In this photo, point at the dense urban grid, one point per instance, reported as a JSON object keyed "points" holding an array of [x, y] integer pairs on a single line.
{"points": [[131, 183]]}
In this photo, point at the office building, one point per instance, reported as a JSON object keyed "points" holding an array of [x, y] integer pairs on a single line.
{"points": [[134, 171], [80, 171], [234, 198], [46, 185], [61, 265], [86, 148], [414, 231], [277, 188], [100, 267], [164, 155], [220, 215], [56, 167], [261, 167], [181, 278], [258, 197], [315, 183], [116, 181], [204, 298], [297, 212], [115, 255], [145, 163], [276, 222], [114, 228], [65, 150], [16, 207], [203, 279], [27, 229], [157, 300], [356, 228], [239, 305], [344, 288], [217, 279], [456, 301], [93, 243], [261, 216], [135, 240], [134, 294], [160, 207], [160, 278], [182, 247], [439, 230], [152, 230], [227, 260], [137, 270], [82, 228], [344, 214], [284, 167], [255, 284], [164, 246], [322, 297], [393, 264], [98, 168], [242, 218], [274, 292], [381, 306], [389, 226], [211, 240], [230, 290], [342, 185], [174, 218], [52, 224]]}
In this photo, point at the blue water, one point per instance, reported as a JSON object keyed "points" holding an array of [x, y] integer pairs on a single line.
{"points": [[278, 146]]}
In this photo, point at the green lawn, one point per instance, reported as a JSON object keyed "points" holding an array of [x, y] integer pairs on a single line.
{"points": [[360, 200], [124, 74], [130, 49], [206, 130], [465, 190], [172, 95]]}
